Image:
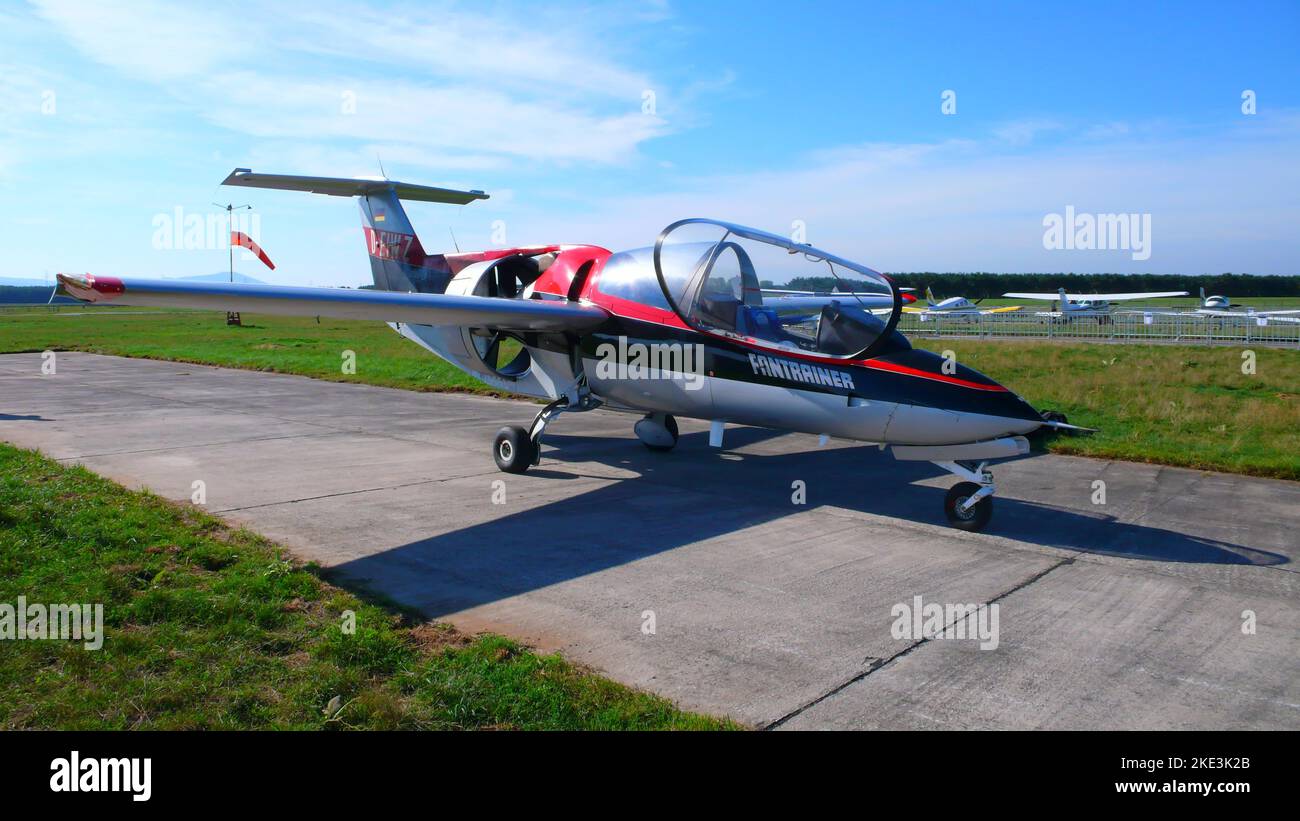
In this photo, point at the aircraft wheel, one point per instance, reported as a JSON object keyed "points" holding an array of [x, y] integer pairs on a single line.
{"points": [[972, 520], [651, 432], [513, 450]]}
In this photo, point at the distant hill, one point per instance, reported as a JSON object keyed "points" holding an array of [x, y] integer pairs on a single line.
{"points": [[224, 276]]}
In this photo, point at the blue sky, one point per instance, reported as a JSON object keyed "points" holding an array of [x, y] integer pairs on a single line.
{"points": [[828, 114]]}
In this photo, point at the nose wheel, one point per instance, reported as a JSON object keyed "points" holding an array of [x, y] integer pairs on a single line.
{"points": [[963, 516], [968, 505]]}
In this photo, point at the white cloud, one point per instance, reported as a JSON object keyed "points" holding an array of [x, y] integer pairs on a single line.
{"points": [[1023, 132], [1217, 204], [150, 39], [459, 88]]}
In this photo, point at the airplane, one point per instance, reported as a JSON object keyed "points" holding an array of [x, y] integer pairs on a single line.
{"points": [[955, 306], [1094, 305], [676, 328], [1221, 307], [1215, 303]]}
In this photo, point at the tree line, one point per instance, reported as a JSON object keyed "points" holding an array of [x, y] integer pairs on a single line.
{"points": [[29, 295], [979, 285]]}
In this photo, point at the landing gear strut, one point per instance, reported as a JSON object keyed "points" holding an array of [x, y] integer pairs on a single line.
{"points": [[516, 449], [969, 504]]}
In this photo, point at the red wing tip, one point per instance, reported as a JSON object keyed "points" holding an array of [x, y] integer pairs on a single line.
{"points": [[91, 288]]}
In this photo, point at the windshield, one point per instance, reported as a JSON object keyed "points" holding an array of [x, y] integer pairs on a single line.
{"points": [[734, 281]]}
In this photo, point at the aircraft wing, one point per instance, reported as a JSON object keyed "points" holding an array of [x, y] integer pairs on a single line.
{"points": [[913, 309], [1280, 316], [345, 303], [1022, 295], [1050, 297], [797, 300], [816, 303]]}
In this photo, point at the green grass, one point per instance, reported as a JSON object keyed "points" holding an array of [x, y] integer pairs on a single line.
{"points": [[1179, 405], [1173, 405], [264, 343], [209, 627]]}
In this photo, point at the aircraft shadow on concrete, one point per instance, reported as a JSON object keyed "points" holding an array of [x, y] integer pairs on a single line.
{"points": [[696, 493], [13, 417]]}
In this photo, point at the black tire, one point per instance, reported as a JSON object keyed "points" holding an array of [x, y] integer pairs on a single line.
{"points": [[671, 424], [972, 520], [513, 451]]}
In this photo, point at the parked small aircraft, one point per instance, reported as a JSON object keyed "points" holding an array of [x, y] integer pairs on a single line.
{"points": [[1215, 303], [678, 328], [1221, 307], [955, 306], [1076, 305]]}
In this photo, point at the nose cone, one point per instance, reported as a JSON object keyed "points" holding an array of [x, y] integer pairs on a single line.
{"points": [[947, 402]]}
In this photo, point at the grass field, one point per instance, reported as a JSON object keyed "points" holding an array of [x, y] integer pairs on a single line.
{"points": [[1179, 405], [1168, 404], [208, 627]]}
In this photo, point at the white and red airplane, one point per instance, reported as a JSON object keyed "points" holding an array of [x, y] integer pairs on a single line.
{"points": [[678, 328], [955, 306]]}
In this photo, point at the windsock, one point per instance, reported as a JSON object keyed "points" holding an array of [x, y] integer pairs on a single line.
{"points": [[239, 238]]}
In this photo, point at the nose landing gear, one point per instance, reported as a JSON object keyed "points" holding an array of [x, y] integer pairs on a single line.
{"points": [[969, 504]]}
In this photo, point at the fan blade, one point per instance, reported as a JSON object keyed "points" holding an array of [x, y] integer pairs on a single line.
{"points": [[493, 349]]}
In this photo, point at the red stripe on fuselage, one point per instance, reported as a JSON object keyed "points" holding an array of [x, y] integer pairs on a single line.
{"points": [[892, 367], [627, 309]]}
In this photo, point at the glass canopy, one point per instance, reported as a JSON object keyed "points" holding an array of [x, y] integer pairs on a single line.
{"points": [[729, 280]]}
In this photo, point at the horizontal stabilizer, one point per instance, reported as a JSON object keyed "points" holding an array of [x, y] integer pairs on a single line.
{"points": [[350, 187]]}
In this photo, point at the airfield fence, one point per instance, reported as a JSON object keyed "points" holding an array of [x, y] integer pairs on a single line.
{"points": [[1135, 327]]}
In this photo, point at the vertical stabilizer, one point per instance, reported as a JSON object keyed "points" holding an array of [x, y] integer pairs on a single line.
{"points": [[398, 262]]}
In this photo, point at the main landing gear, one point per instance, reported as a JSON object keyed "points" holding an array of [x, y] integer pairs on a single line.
{"points": [[516, 449], [969, 504], [657, 431]]}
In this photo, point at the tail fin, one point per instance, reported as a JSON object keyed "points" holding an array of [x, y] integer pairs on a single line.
{"points": [[929, 296], [398, 261], [1202, 296]]}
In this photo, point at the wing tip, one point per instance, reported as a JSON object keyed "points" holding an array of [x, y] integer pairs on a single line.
{"points": [[89, 287]]}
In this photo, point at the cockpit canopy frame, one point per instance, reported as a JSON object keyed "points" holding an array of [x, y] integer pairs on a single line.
{"points": [[856, 318]]}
